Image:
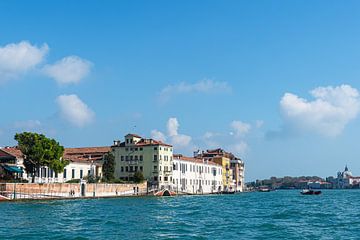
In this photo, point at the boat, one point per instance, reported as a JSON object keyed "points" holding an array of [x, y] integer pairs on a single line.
{"points": [[264, 190], [310, 192], [228, 192]]}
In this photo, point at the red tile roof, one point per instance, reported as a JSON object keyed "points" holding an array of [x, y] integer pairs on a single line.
{"points": [[85, 154], [134, 135], [13, 151]]}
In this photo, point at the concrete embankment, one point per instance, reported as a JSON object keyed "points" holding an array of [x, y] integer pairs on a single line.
{"points": [[17, 191]]}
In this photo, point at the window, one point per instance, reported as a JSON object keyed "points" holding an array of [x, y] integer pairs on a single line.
{"points": [[155, 158], [155, 148], [126, 169], [127, 141], [155, 178], [160, 157], [159, 168], [131, 169], [155, 167], [160, 148], [136, 149], [56, 175], [171, 158], [165, 179], [159, 178], [131, 158], [127, 158], [81, 173], [141, 149], [73, 173], [131, 141], [126, 149], [141, 168], [141, 157], [64, 174], [89, 172], [136, 158], [122, 158], [122, 169]]}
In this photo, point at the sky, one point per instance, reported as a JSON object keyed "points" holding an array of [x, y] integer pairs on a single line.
{"points": [[275, 82]]}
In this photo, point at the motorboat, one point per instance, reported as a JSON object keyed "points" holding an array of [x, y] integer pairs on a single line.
{"points": [[310, 192]]}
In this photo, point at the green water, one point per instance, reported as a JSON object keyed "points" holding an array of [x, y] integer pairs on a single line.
{"points": [[275, 215]]}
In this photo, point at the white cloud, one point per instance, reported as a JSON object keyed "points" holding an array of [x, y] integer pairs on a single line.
{"points": [[259, 123], [239, 148], [203, 86], [157, 135], [68, 70], [240, 128], [179, 141], [29, 125], [75, 111], [328, 114], [172, 127], [17, 58]]}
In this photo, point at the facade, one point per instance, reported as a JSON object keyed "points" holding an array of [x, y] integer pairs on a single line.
{"points": [[196, 176], [233, 168], [83, 162], [154, 159]]}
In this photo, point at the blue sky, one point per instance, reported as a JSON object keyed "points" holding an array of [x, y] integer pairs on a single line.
{"points": [[276, 82]]}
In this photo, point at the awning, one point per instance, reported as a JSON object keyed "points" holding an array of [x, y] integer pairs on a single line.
{"points": [[13, 169]]}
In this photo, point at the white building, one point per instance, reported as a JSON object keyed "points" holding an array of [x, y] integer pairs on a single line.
{"points": [[196, 175], [83, 162], [345, 179]]}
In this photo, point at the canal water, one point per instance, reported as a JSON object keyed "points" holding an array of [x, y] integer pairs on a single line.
{"points": [[274, 215]]}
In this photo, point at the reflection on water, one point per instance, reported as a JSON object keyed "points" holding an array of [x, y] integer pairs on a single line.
{"points": [[274, 215]]}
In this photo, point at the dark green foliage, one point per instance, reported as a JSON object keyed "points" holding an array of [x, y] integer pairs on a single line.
{"points": [[40, 151], [73, 181], [138, 177], [109, 167]]}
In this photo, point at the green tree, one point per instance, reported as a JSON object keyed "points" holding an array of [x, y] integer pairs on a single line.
{"points": [[138, 177], [109, 167], [40, 151]]}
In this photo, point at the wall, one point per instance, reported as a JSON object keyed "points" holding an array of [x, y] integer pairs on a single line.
{"points": [[68, 190]]}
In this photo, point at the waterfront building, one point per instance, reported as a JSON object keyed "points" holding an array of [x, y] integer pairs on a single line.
{"points": [[196, 175], [345, 179], [233, 168], [82, 163], [150, 157]]}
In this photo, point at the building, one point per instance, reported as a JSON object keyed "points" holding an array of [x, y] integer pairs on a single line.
{"points": [[82, 163], [196, 176], [233, 168], [154, 159], [345, 179]]}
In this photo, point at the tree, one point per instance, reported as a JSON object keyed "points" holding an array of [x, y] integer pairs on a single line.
{"points": [[109, 167], [40, 151], [138, 177]]}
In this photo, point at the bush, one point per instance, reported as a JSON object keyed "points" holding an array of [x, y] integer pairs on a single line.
{"points": [[138, 177], [73, 181]]}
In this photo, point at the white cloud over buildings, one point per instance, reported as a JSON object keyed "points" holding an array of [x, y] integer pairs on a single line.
{"points": [[68, 70], [18, 58], [73, 110], [327, 114]]}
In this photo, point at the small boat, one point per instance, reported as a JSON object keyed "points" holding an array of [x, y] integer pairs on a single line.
{"points": [[310, 192], [264, 190], [228, 192]]}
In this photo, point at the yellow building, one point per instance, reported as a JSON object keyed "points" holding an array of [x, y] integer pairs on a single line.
{"points": [[150, 157], [226, 171]]}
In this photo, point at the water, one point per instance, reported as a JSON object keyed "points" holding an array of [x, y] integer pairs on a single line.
{"points": [[275, 215]]}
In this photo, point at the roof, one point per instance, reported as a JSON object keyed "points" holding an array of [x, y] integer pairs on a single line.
{"points": [[85, 154], [194, 160], [13, 151], [133, 135], [144, 142]]}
